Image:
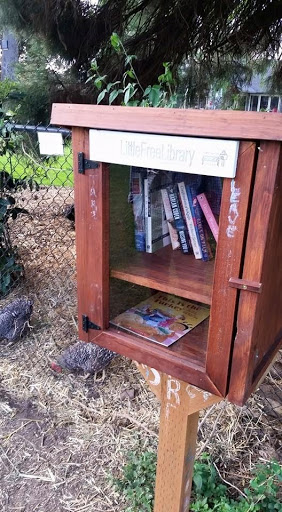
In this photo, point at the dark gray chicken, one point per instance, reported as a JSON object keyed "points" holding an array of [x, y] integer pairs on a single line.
{"points": [[14, 319], [86, 357]]}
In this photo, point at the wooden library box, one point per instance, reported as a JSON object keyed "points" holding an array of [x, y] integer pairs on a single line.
{"points": [[228, 353]]}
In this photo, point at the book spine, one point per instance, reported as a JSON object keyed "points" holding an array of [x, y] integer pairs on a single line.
{"points": [[178, 220], [148, 220], [199, 224], [137, 198], [209, 215], [169, 217], [156, 225], [188, 215]]}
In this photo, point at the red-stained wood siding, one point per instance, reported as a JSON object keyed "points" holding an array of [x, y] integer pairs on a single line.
{"points": [[226, 124]]}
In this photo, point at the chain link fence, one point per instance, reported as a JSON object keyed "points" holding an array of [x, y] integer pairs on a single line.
{"points": [[38, 236], [37, 258], [37, 220]]}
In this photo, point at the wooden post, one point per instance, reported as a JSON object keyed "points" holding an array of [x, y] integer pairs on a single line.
{"points": [[180, 406]]}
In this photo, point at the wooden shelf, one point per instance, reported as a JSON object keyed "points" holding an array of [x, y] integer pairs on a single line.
{"points": [[171, 272]]}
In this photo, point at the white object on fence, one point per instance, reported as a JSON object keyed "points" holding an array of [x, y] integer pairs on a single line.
{"points": [[50, 143]]}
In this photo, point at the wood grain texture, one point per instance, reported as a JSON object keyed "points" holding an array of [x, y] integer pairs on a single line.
{"points": [[259, 324], [226, 124], [229, 256], [244, 284], [171, 272], [184, 360], [180, 406], [92, 238]]}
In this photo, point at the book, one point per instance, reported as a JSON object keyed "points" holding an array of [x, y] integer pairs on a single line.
{"points": [[199, 223], [189, 216], [137, 175], [169, 217], [156, 225], [162, 318], [208, 215], [179, 222]]}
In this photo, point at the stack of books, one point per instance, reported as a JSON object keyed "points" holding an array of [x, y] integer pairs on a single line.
{"points": [[175, 208]]}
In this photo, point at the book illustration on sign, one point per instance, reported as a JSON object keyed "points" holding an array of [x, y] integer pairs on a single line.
{"points": [[218, 159], [162, 318]]}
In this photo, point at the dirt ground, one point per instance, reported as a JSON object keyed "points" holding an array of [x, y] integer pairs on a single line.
{"points": [[62, 436]]}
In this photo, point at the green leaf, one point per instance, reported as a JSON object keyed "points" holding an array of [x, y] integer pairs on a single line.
{"points": [[114, 94], [154, 95], [130, 73], [129, 59], [101, 96], [115, 41], [112, 84], [198, 481], [97, 82], [147, 90], [126, 96]]}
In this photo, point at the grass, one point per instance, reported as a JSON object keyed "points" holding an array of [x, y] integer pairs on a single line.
{"points": [[56, 171]]}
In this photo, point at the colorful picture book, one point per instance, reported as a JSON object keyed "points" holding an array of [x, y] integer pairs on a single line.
{"points": [[162, 318]]}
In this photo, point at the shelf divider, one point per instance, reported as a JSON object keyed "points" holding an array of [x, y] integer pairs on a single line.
{"points": [[171, 272]]}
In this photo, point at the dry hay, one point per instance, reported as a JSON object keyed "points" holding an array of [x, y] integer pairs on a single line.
{"points": [[62, 436]]}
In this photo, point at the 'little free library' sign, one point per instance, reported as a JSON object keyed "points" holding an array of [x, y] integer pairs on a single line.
{"points": [[212, 157]]}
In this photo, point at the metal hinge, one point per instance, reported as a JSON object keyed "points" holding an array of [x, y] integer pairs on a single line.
{"points": [[86, 324], [244, 284], [84, 163]]}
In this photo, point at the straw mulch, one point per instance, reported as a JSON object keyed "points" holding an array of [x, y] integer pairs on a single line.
{"points": [[62, 436]]}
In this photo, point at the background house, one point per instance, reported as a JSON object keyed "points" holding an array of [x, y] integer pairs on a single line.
{"points": [[259, 96]]}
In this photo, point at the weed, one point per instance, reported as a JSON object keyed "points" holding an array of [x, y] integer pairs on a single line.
{"points": [[208, 493], [137, 481]]}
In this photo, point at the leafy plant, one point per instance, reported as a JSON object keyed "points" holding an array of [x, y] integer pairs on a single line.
{"points": [[129, 90], [137, 481], [209, 493], [10, 269]]}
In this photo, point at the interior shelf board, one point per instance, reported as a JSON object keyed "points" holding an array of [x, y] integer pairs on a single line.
{"points": [[171, 272]]}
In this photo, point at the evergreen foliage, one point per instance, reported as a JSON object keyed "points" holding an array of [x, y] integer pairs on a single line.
{"points": [[155, 31]]}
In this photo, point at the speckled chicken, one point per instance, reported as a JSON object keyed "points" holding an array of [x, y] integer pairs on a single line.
{"points": [[86, 357], [14, 319]]}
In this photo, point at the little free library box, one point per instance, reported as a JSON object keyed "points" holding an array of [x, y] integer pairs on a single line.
{"points": [[229, 351]]}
